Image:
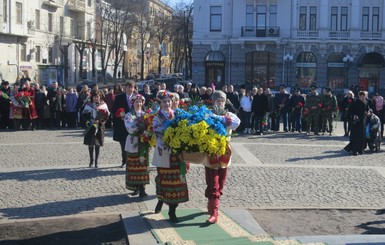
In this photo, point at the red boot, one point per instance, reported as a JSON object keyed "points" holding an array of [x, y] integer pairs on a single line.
{"points": [[213, 211]]}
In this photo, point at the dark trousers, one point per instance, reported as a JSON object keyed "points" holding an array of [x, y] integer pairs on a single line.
{"points": [[55, 118], [297, 120], [258, 123], [124, 153], [71, 119]]}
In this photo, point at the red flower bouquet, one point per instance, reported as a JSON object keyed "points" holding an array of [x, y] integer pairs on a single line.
{"points": [[319, 105], [23, 98], [300, 104], [327, 108], [120, 113]]}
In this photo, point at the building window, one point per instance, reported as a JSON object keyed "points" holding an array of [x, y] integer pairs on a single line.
{"points": [[273, 15], [249, 15], [5, 8], [334, 17], [215, 18], [261, 17], [260, 69], [313, 19], [302, 18], [376, 19], [23, 52], [365, 18], [89, 3], [19, 13], [61, 25], [37, 19], [50, 54], [38, 54], [306, 69], [72, 30], [344, 18], [50, 24], [89, 30]]}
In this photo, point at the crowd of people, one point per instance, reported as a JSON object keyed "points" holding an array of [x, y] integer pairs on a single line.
{"points": [[250, 110]]}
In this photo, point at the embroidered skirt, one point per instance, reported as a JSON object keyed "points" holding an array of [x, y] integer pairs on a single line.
{"points": [[170, 187], [136, 171]]}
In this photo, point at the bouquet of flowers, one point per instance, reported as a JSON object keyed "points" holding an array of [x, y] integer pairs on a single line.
{"points": [[92, 124], [196, 130], [4, 95], [120, 113], [148, 136], [23, 98]]}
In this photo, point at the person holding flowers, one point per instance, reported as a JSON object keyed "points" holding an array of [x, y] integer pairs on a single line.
{"points": [[297, 102], [26, 97], [329, 109], [216, 168], [171, 186], [96, 114], [137, 148], [121, 106]]}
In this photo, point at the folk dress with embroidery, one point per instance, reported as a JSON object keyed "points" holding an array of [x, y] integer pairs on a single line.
{"points": [[137, 172], [170, 187]]}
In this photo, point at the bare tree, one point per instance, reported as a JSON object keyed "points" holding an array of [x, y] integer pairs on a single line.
{"points": [[181, 38], [162, 34], [115, 21], [144, 31]]}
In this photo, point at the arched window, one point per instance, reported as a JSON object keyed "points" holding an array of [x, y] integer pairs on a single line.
{"points": [[215, 68], [337, 71], [306, 69], [370, 65], [260, 69]]}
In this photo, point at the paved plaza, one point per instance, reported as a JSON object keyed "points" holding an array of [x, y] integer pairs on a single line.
{"points": [[45, 174]]}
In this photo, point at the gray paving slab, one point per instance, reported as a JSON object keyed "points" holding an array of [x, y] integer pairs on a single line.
{"points": [[44, 174]]}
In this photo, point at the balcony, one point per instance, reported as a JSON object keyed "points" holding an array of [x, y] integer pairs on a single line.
{"points": [[307, 34], [251, 31], [339, 34], [53, 3], [77, 5], [371, 35]]}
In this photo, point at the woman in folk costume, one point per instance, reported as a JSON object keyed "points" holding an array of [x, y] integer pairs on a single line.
{"points": [[137, 174], [95, 114], [171, 186], [216, 168]]}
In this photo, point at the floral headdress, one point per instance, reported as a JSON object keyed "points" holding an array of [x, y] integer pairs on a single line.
{"points": [[137, 97], [164, 94]]}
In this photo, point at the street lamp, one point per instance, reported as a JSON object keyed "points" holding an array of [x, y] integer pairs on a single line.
{"points": [[348, 60], [288, 58]]}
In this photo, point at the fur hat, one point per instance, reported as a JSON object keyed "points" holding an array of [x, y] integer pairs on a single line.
{"points": [[218, 94]]}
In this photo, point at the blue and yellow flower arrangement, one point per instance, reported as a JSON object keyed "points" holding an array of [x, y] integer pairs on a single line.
{"points": [[196, 130]]}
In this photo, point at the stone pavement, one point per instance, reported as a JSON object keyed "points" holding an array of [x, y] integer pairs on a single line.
{"points": [[45, 174]]}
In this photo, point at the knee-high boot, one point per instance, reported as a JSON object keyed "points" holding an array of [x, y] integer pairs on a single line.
{"points": [[142, 191], [159, 206], [172, 214], [97, 151], [91, 152], [213, 211]]}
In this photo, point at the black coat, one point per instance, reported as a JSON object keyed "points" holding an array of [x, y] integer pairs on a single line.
{"points": [[260, 105], [357, 126], [120, 131]]}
